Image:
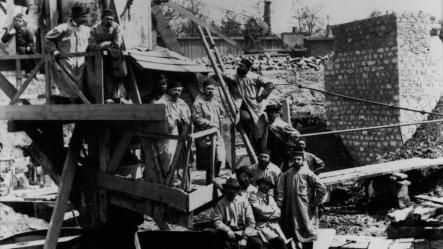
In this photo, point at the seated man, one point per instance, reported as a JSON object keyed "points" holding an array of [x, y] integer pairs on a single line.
{"points": [[267, 214], [265, 168], [159, 89], [244, 177], [279, 133], [234, 220]]}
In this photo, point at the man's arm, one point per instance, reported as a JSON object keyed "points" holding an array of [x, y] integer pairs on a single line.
{"points": [[266, 212], [268, 87], [218, 219], [319, 164], [319, 189], [93, 42], [51, 39]]}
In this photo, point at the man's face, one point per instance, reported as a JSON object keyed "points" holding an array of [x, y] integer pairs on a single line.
{"points": [[288, 152], [209, 91], [162, 84], [302, 144], [107, 21], [242, 70], [263, 160], [80, 19], [272, 116], [230, 192], [244, 179], [298, 161], [175, 93], [264, 187], [19, 22]]}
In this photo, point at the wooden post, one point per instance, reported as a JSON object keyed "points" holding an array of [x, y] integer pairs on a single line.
{"points": [[100, 95], [64, 190], [286, 111], [233, 154], [18, 73], [211, 169], [104, 158], [48, 70]]}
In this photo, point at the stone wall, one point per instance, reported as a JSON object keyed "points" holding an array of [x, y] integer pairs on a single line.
{"points": [[384, 59]]}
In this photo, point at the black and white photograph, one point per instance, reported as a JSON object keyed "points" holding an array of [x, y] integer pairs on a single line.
{"points": [[221, 124]]}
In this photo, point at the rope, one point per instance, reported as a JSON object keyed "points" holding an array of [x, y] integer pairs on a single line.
{"points": [[364, 100]]}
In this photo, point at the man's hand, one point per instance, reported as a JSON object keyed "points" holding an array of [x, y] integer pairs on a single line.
{"points": [[231, 235], [56, 53], [259, 99], [12, 31], [242, 244], [105, 44]]}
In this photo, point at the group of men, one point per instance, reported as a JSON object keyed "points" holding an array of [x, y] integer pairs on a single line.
{"points": [[74, 36]]}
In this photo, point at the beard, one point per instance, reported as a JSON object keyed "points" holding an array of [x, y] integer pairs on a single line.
{"points": [[244, 184], [210, 95], [175, 96], [241, 72]]}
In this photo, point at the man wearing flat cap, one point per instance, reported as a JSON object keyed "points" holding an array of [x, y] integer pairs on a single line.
{"points": [[178, 115], [267, 214], [278, 133], [299, 193], [206, 114], [106, 35], [69, 37], [248, 93], [234, 220]]}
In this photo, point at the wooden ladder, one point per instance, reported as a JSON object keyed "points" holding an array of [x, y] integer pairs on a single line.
{"points": [[218, 66]]}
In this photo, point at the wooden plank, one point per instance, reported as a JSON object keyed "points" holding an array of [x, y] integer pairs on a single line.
{"points": [[286, 111], [70, 84], [233, 150], [98, 83], [26, 83], [164, 30], [153, 172], [178, 151], [142, 206], [104, 158], [202, 195], [430, 198], [145, 112], [340, 176], [36, 243], [45, 162], [203, 133], [422, 244], [18, 73], [133, 85], [119, 152], [174, 197], [210, 172], [64, 190], [325, 238]]}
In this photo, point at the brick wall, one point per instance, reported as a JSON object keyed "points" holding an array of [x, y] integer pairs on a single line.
{"points": [[384, 59]]}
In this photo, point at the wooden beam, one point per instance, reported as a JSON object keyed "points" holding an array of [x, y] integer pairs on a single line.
{"points": [[104, 158], [119, 152], [26, 83], [133, 85], [165, 31], [211, 170], [174, 197], [45, 162], [286, 111], [202, 195], [178, 151], [69, 83], [64, 190], [145, 112], [203, 133]]}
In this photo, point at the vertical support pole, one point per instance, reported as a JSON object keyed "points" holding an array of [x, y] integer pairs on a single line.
{"points": [[286, 111], [47, 79], [211, 169], [233, 155], [100, 95], [18, 73], [64, 189], [104, 158]]}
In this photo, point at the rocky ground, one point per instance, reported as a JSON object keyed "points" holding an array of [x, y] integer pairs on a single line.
{"points": [[12, 223]]}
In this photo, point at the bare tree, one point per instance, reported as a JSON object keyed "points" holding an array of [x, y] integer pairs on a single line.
{"points": [[180, 24], [308, 19]]}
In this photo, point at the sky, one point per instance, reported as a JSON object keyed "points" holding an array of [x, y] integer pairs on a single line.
{"points": [[339, 11]]}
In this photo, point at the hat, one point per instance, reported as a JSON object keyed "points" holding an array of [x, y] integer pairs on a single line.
{"points": [[208, 82], [246, 62], [266, 180], [273, 108], [291, 144], [231, 182], [265, 151], [78, 10], [174, 84], [108, 12], [245, 169]]}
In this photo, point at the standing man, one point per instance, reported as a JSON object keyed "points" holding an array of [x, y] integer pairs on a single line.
{"points": [[265, 168], [244, 178], [106, 36], [178, 116], [267, 214], [314, 163], [299, 193], [248, 93], [207, 114], [158, 89], [278, 133], [234, 220], [69, 37]]}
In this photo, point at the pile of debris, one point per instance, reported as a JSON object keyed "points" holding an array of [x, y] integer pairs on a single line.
{"points": [[423, 220], [12, 223], [266, 62]]}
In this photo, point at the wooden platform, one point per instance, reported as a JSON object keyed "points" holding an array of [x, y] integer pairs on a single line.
{"points": [[351, 174], [95, 112]]}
